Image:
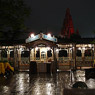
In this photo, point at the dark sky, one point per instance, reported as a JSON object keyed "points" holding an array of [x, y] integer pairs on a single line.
{"points": [[48, 15]]}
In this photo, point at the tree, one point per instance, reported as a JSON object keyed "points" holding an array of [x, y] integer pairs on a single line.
{"points": [[12, 16]]}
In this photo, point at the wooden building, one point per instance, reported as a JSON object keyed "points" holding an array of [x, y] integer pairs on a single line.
{"points": [[65, 54]]}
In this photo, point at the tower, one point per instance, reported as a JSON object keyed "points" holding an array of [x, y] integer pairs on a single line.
{"points": [[67, 29]]}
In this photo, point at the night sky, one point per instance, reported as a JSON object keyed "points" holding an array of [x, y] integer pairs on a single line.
{"points": [[48, 16]]}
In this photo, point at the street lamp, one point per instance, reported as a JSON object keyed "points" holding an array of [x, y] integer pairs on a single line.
{"points": [[49, 35], [32, 35]]}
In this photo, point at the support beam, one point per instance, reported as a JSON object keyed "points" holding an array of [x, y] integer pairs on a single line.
{"points": [[74, 56], [19, 57], [54, 63], [16, 65]]}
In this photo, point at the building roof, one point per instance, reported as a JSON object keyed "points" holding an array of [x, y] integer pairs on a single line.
{"points": [[12, 42], [59, 41], [42, 42], [77, 41]]}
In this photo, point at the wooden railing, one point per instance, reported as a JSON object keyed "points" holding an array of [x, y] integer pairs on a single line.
{"points": [[87, 62]]}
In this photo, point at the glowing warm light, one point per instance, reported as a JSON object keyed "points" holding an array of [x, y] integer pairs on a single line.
{"points": [[90, 45], [21, 49], [70, 48], [48, 48], [80, 75], [36, 48], [49, 35], [32, 35], [44, 50], [11, 50], [83, 48], [57, 50], [79, 48]]}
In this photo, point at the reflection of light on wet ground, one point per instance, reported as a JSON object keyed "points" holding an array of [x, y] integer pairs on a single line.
{"points": [[21, 84], [49, 88], [43, 84], [72, 79], [91, 83], [5, 89], [80, 75]]}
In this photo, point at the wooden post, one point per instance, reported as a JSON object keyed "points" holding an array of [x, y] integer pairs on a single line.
{"points": [[57, 52], [35, 54], [94, 57], [83, 52], [52, 53], [0, 53], [8, 54], [40, 54], [74, 56], [69, 58], [46, 56], [54, 64], [19, 58], [15, 59], [29, 55]]}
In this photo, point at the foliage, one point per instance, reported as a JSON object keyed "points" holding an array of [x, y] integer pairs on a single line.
{"points": [[12, 16]]}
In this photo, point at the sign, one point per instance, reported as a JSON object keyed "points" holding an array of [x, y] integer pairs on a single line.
{"points": [[30, 39], [49, 38], [41, 45], [41, 36]]}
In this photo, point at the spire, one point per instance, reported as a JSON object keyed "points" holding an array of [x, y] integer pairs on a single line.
{"points": [[67, 29]]}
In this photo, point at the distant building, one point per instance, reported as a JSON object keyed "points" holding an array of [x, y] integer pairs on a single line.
{"points": [[68, 28]]}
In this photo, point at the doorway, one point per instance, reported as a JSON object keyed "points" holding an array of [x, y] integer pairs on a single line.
{"points": [[43, 52]]}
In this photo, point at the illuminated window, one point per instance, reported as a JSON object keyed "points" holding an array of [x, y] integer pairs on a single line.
{"points": [[43, 54]]}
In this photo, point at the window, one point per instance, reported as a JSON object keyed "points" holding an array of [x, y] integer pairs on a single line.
{"points": [[12, 54], [38, 53], [25, 54], [88, 52], [63, 53], [43, 55], [49, 53], [78, 53], [4, 53]]}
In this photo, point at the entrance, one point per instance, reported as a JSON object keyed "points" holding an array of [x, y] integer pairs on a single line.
{"points": [[43, 52]]}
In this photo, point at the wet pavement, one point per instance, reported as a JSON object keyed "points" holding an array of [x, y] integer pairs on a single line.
{"points": [[21, 83]]}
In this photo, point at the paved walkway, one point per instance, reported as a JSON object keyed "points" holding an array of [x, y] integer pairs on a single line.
{"points": [[22, 83], [41, 84]]}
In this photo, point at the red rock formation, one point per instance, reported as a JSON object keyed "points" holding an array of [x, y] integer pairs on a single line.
{"points": [[67, 29]]}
